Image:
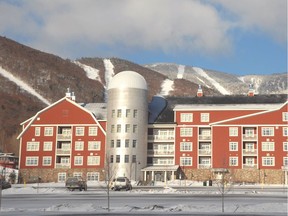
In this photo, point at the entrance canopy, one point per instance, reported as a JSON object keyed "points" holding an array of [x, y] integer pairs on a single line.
{"points": [[161, 168]]}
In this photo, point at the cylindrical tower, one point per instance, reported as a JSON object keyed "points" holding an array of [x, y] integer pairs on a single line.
{"points": [[127, 121]]}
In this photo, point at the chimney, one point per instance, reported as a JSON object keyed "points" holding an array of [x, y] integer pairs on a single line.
{"points": [[251, 91], [199, 91], [68, 93]]}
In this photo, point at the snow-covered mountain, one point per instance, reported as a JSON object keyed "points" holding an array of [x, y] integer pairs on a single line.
{"points": [[31, 79]]}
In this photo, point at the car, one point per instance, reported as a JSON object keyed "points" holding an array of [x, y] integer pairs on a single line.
{"points": [[4, 184], [121, 183], [73, 183]]}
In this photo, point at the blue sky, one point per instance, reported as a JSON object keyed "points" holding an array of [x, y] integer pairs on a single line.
{"points": [[239, 37]]}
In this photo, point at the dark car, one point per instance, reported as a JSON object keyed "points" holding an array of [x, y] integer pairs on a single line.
{"points": [[4, 184], [121, 183], [73, 183]]}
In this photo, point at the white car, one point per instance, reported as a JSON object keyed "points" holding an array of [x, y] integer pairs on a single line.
{"points": [[121, 183]]}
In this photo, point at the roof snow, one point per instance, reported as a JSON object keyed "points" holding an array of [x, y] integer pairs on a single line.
{"points": [[22, 85]]}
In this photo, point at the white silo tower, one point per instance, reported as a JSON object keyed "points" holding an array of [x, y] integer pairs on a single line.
{"points": [[127, 121]]}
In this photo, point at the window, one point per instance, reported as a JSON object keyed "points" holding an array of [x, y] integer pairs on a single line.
{"points": [[32, 146], [93, 131], [127, 128], [285, 161], [47, 146], [285, 146], [135, 113], [285, 116], [47, 161], [92, 176], [117, 158], [78, 160], [61, 177], [135, 127], [48, 131], [185, 161], [112, 128], [126, 143], [128, 113], [233, 146], [126, 159], [267, 146], [268, 161], [267, 131], [112, 143], [186, 117], [93, 160], [118, 128], [37, 131], [113, 114], [77, 174], [65, 160], [111, 159], [134, 143], [285, 131], [31, 161], [79, 146], [185, 132], [79, 131], [233, 131], [118, 143], [133, 158], [233, 161], [94, 145], [204, 117], [185, 146], [119, 113]]}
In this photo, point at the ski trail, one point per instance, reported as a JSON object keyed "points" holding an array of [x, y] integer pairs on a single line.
{"points": [[166, 87], [22, 85], [109, 73], [91, 73], [181, 70], [217, 85]]}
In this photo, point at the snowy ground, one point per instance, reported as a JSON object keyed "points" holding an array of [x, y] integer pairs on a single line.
{"points": [[211, 207]]}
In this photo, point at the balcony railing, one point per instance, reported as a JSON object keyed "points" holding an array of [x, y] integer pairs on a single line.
{"points": [[64, 136], [250, 166], [249, 136], [63, 151], [204, 137], [250, 151], [204, 166], [204, 151], [161, 138], [62, 165], [160, 152]]}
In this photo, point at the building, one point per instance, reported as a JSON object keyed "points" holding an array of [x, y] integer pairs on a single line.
{"points": [[192, 138]]}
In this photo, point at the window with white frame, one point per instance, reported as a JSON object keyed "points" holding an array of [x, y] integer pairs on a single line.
{"points": [[79, 131], [233, 131], [113, 114], [185, 146], [135, 128], [267, 131], [93, 131], [135, 113], [47, 146], [78, 160], [92, 176], [134, 143], [31, 161], [48, 131], [268, 146], [285, 131], [128, 113], [185, 161], [285, 116], [233, 146], [37, 131], [285, 161], [119, 113], [268, 161], [79, 145], [186, 132], [233, 161], [32, 146], [112, 128], [127, 128], [117, 159], [61, 177], [285, 146], [118, 128], [94, 145], [93, 160], [47, 160], [205, 117], [77, 174], [186, 117]]}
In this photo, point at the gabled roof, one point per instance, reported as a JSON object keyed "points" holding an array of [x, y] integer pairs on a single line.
{"points": [[32, 119]]}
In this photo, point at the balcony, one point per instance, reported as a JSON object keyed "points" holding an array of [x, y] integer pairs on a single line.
{"points": [[62, 165], [249, 137], [204, 151], [160, 138], [250, 152], [204, 137], [249, 166], [204, 166], [161, 152], [64, 136], [63, 151]]}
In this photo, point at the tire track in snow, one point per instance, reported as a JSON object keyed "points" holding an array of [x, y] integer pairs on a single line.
{"points": [[22, 85]]}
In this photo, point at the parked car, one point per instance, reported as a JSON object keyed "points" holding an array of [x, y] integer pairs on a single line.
{"points": [[121, 183], [73, 183], [4, 184]]}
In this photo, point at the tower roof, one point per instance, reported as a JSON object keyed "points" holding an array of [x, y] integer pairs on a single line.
{"points": [[128, 79]]}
